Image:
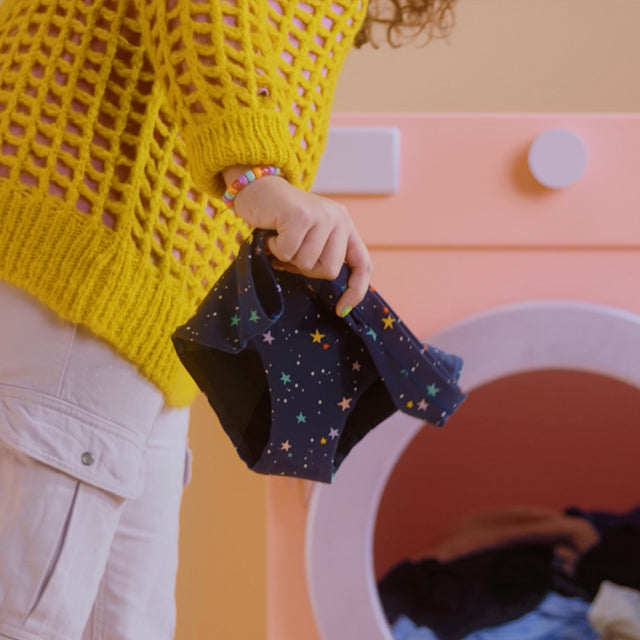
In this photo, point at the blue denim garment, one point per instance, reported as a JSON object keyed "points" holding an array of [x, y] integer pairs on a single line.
{"points": [[556, 618], [405, 629]]}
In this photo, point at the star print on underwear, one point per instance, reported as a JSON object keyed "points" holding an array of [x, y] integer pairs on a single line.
{"points": [[432, 390], [388, 322], [257, 325]]}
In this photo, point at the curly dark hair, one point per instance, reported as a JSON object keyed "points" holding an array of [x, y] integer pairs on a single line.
{"points": [[405, 20]]}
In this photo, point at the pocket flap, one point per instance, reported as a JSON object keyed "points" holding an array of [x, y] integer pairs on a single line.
{"points": [[72, 440]]}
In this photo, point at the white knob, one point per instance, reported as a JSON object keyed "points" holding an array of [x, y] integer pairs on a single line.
{"points": [[557, 158]]}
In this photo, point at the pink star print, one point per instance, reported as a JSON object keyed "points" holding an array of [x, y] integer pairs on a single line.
{"points": [[345, 403]]}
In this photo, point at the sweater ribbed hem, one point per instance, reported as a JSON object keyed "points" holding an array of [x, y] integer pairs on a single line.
{"points": [[68, 261], [242, 138]]}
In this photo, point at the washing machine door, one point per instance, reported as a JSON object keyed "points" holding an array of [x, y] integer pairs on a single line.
{"points": [[497, 343]]}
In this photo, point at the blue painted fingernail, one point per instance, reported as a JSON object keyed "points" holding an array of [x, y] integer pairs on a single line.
{"points": [[346, 311]]}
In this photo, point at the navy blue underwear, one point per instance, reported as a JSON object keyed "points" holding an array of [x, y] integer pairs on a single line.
{"points": [[294, 386]]}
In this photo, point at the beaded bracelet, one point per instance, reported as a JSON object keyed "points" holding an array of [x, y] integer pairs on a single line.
{"points": [[248, 176]]}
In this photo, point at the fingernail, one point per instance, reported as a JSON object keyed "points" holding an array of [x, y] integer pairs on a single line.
{"points": [[346, 311]]}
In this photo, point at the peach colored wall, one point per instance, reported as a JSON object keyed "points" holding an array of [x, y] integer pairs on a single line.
{"points": [[469, 230], [507, 55], [222, 574]]}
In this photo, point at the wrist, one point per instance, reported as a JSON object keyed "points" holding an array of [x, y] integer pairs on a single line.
{"points": [[245, 178], [230, 174]]}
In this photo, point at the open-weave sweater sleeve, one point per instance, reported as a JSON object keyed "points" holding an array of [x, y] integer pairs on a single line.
{"points": [[116, 117], [217, 64]]}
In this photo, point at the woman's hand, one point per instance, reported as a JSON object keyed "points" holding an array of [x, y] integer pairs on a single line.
{"points": [[315, 235]]}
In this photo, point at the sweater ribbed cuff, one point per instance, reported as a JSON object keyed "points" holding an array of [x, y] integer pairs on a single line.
{"points": [[247, 138]]}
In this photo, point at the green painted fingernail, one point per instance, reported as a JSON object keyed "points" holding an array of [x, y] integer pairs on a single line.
{"points": [[346, 311]]}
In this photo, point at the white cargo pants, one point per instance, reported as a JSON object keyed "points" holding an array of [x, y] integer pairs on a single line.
{"points": [[92, 467]]}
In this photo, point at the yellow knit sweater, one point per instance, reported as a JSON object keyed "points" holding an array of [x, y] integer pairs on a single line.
{"points": [[116, 118]]}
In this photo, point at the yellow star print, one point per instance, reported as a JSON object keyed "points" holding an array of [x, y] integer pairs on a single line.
{"points": [[388, 322], [410, 404], [317, 336], [323, 441]]}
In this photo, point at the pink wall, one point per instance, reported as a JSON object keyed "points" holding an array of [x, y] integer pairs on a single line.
{"points": [[469, 230], [464, 182]]}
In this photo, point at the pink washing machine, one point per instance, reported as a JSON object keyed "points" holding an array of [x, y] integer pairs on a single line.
{"points": [[513, 241]]}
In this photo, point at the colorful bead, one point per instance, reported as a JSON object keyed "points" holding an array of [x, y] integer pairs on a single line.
{"points": [[246, 178]]}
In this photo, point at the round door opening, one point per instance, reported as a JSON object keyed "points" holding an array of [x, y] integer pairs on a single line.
{"points": [[527, 368], [555, 438]]}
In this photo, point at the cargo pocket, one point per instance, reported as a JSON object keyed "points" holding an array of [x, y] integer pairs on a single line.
{"points": [[55, 538], [79, 470], [72, 440]]}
